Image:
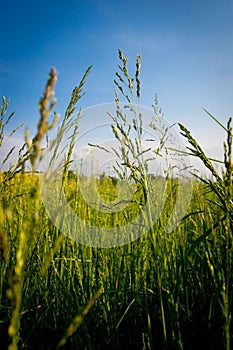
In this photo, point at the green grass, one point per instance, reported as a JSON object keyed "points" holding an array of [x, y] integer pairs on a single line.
{"points": [[165, 290]]}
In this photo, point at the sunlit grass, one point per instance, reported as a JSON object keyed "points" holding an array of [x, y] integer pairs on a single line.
{"points": [[165, 290]]}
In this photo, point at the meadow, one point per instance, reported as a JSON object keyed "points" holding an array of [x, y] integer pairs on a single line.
{"points": [[163, 290]]}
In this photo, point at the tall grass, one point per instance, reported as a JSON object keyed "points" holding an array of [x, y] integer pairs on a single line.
{"points": [[165, 290]]}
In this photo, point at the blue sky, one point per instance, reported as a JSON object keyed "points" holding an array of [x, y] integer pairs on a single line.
{"points": [[186, 49]]}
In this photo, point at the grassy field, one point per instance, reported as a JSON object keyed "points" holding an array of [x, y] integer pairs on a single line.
{"points": [[164, 290]]}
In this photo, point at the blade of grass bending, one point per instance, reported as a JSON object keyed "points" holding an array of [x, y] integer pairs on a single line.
{"points": [[78, 319], [202, 238], [121, 319], [8, 155], [215, 119], [193, 155]]}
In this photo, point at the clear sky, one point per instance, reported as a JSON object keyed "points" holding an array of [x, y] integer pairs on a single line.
{"points": [[186, 49]]}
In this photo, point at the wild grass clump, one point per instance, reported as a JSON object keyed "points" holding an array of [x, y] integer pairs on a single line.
{"points": [[165, 290], [218, 237]]}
